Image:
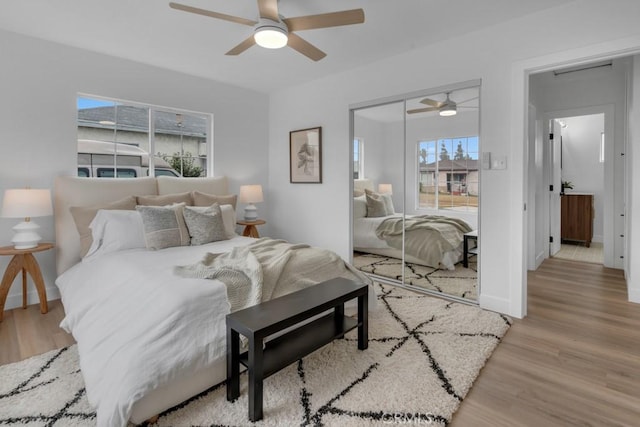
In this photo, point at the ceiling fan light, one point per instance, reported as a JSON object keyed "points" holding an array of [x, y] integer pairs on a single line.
{"points": [[448, 110], [271, 34]]}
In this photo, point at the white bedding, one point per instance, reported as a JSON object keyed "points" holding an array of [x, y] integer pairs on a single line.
{"points": [[366, 240], [118, 318]]}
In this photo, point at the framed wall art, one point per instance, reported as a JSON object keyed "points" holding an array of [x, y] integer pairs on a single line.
{"points": [[305, 156]]}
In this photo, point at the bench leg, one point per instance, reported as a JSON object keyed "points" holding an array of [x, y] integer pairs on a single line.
{"points": [[255, 379], [233, 364], [363, 320]]}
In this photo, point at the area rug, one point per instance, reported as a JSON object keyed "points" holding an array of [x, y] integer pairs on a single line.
{"points": [[424, 354], [461, 282]]}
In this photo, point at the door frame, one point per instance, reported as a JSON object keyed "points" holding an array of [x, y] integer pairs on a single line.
{"points": [[520, 217]]}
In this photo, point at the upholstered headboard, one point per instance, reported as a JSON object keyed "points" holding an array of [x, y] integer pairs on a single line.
{"points": [[362, 184], [74, 191]]}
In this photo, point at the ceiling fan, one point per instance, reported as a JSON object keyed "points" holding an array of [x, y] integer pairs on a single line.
{"points": [[273, 31], [445, 108]]}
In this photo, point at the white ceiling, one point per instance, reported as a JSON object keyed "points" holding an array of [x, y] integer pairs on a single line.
{"points": [[150, 32]]}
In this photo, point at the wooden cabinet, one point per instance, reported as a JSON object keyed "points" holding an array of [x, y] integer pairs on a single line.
{"points": [[577, 217]]}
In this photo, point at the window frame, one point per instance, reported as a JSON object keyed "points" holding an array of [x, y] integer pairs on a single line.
{"points": [[152, 109]]}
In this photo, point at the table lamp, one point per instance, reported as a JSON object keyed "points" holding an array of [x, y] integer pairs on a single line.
{"points": [[250, 194], [385, 188], [26, 203]]}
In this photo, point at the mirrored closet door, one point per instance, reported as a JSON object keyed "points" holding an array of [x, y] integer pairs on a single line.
{"points": [[419, 154]]}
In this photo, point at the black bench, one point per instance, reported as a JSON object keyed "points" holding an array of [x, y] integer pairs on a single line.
{"points": [[265, 319]]}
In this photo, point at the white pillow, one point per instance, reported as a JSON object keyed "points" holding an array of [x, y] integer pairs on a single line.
{"points": [[359, 207], [115, 230], [228, 218]]}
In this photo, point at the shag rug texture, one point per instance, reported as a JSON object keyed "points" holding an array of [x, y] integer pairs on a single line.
{"points": [[461, 282], [424, 354]]}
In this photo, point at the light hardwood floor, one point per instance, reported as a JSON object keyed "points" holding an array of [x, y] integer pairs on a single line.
{"points": [[574, 360]]}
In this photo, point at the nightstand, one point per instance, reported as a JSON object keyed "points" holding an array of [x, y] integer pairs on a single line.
{"points": [[23, 260], [250, 229], [472, 235]]}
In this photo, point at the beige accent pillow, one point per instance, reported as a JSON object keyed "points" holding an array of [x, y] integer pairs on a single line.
{"points": [[205, 225], [164, 226], [359, 207], [357, 192], [83, 215], [386, 198], [204, 199], [375, 206], [167, 199]]}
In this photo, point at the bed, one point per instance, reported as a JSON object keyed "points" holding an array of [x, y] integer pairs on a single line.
{"points": [[431, 240], [150, 323]]}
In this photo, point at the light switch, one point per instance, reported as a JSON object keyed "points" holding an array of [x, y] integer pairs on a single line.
{"points": [[499, 162]]}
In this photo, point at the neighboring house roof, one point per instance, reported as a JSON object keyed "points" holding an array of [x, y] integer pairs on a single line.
{"points": [[451, 165], [136, 119]]}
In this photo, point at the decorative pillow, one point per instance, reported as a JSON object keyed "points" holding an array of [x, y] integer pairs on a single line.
{"points": [[204, 199], [165, 200], [375, 206], [205, 226], [388, 204], [358, 192], [385, 198], [164, 226], [83, 215], [228, 218], [359, 207], [115, 230]]}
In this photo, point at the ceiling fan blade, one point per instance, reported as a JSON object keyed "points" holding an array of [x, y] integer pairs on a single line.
{"points": [[211, 14], [269, 9], [422, 110], [325, 20], [244, 45], [467, 100], [432, 102], [305, 48]]}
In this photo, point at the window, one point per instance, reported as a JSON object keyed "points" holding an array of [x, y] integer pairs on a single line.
{"points": [[448, 174], [115, 138], [358, 159]]}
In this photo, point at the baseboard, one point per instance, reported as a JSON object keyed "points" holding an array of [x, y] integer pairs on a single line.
{"points": [[497, 304], [634, 295], [15, 300]]}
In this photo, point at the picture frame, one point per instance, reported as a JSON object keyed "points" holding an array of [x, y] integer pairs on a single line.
{"points": [[305, 156]]}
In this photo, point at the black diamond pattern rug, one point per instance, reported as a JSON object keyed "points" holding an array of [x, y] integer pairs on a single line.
{"points": [[461, 282], [424, 354]]}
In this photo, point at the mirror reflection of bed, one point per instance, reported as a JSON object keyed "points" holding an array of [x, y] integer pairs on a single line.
{"points": [[415, 192]]}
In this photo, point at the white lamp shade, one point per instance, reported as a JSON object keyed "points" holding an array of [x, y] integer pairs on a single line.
{"points": [[385, 188], [26, 203], [250, 194]]}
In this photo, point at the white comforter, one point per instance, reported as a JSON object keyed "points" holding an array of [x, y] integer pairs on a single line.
{"points": [[128, 345]]}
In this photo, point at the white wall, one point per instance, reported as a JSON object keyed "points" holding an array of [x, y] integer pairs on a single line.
{"points": [[319, 214], [633, 175], [39, 82], [581, 162]]}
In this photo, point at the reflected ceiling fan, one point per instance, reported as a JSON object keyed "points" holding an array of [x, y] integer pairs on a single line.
{"points": [[445, 108], [273, 31]]}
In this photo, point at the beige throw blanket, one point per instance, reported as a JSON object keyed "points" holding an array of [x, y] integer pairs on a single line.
{"points": [[426, 237], [269, 268]]}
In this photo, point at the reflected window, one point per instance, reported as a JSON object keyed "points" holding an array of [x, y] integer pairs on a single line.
{"points": [[448, 174], [358, 158]]}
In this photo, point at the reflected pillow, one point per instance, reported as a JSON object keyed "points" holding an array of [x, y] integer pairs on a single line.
{"points": [[204, 225], [359, 207], [115, 230], [164, 226], [375, 206]]}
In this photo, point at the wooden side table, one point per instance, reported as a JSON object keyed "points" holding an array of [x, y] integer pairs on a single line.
{"points": [[250, 229], [23, 260]]}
